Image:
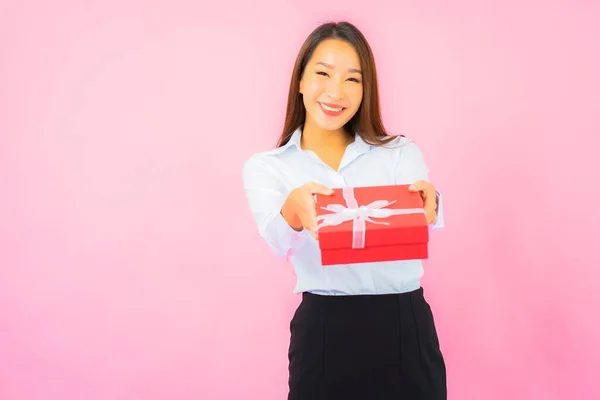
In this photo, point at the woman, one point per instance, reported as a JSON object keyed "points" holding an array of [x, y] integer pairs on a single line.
{"points": [[362, 331]]}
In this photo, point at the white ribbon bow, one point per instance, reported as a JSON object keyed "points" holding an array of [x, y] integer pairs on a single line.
{"points": [[360, 215]]}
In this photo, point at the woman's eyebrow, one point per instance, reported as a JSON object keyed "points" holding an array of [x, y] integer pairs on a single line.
{"points": [[353, 70]]}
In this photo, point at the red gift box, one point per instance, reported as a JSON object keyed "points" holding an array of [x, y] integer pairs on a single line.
{"points": [[371, 224]]}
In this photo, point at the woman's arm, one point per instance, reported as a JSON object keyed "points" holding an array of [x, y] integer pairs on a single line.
{"points": [[412, 168], [266, 197]]}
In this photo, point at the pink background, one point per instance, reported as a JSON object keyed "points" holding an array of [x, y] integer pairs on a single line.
{"points": [[129, 264]]}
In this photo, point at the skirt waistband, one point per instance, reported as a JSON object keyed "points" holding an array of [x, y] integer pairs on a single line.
{"points": [[363, 298]]}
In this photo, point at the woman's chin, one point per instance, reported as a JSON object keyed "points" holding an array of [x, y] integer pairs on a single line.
{"points": [[329, 125]]}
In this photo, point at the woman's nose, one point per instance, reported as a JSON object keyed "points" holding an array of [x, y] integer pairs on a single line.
{"points": [[334, 90]]}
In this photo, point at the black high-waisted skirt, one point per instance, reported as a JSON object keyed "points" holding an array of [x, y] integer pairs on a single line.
{"points": [[367, 347]]}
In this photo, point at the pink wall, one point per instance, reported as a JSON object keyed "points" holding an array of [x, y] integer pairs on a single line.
{"points": [[123, 129]]}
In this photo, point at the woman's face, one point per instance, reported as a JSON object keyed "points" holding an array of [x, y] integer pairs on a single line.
{"points": [[331, 85]]}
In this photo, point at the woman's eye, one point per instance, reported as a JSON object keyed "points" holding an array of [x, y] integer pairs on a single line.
{"points": [[322, 73], [354, 80]]}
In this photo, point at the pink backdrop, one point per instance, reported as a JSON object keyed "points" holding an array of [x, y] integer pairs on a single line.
{"points": [[129, 264]]}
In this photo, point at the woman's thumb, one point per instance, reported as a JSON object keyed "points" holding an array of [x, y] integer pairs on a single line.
{"points": [[317, 188]]}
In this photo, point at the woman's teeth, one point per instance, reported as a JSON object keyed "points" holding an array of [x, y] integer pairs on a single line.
{"points": [[331, 108]]}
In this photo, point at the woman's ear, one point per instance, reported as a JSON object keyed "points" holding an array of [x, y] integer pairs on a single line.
{"points": [[301, 86]]}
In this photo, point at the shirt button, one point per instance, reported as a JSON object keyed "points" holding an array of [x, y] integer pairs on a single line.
{"points": [[339, 180]]}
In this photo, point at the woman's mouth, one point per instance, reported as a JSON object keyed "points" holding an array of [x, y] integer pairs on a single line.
{"points": [[331, 110]]}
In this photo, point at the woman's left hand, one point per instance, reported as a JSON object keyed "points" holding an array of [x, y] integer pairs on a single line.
{"points": [[429, 195]]}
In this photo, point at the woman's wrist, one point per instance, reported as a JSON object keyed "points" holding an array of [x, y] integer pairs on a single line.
{"points": [[290, 217]]}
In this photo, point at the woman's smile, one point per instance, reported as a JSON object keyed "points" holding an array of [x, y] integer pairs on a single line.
{"points": [[331, 110]]}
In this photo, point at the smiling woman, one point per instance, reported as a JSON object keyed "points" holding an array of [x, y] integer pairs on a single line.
{"points": [[334, 60], [362, 331], [332, 89]]}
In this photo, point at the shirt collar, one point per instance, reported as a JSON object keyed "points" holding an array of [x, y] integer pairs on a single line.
{"points": [[359, 145], [295, 139]]}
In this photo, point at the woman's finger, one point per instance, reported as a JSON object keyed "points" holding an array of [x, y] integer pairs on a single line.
{"points": [[431, 218], [426, 188], [428, 194], [310, 225], [431, 207], [419, 186], [317, 188], [430, 198], [431, 215]]}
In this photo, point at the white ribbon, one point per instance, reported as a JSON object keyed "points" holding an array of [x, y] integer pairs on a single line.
{"points": [[360, 215]]}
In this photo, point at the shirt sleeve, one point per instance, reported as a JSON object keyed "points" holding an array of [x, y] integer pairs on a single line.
{"points": [[266, 195], [411, 168]]}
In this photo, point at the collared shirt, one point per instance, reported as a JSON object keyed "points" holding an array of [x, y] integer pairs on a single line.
{"points": [[270, 175]]}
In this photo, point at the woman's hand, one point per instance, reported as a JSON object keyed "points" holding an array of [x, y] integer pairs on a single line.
{"points": [[429, 196], [299, 209]]}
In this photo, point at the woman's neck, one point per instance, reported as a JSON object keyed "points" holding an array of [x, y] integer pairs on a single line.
{"points": [[317, 139], [329, 146]]}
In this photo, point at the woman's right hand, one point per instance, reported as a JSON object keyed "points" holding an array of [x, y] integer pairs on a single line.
{"points": [[299, 209]]}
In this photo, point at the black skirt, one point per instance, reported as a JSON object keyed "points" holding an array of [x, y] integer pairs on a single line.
{"points": [[365, 347]]}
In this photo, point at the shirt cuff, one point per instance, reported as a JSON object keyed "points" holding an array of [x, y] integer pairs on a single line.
{"points": [[284, 239]]}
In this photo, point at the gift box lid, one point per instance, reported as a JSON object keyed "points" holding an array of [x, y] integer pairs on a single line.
{"points": [[409, 228]]}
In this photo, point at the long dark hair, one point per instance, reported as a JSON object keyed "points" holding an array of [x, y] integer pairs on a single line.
{"points": [[367, 120]]}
